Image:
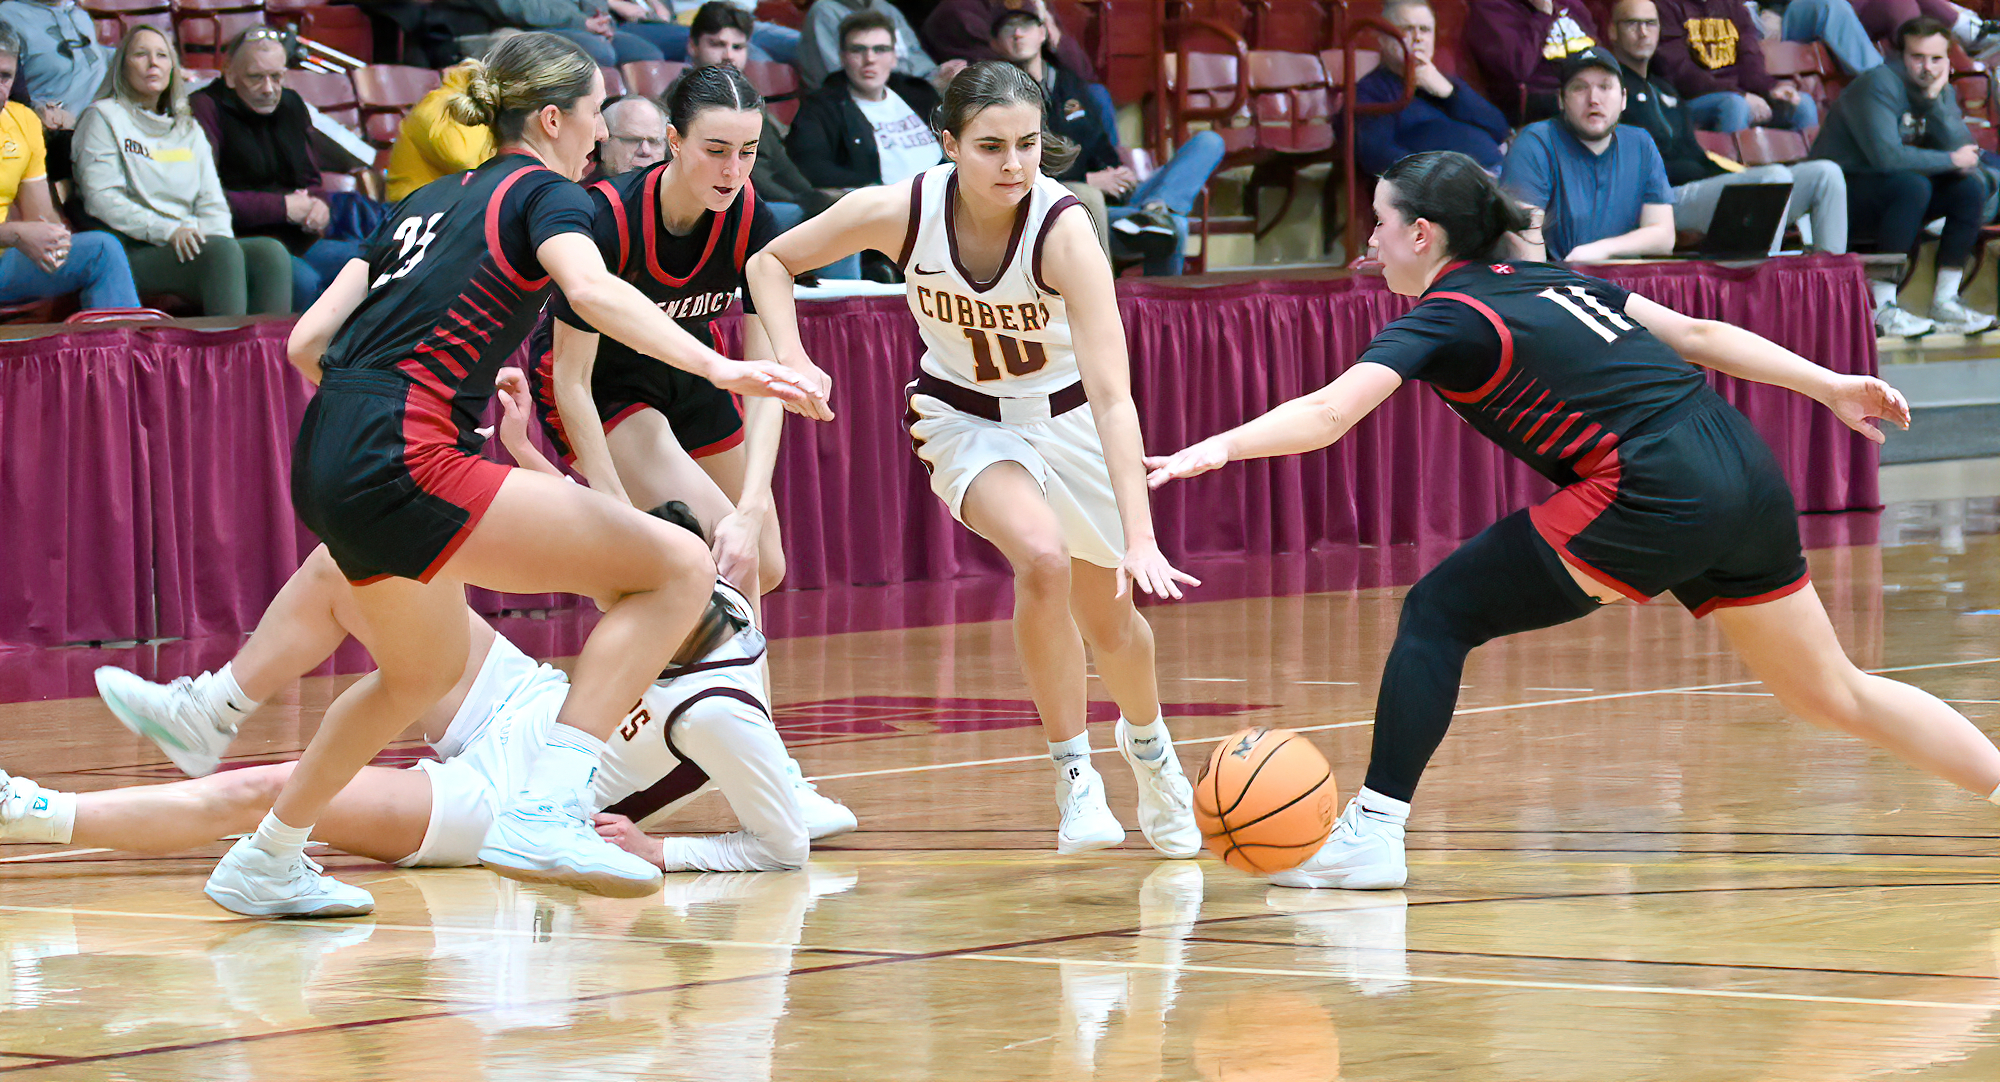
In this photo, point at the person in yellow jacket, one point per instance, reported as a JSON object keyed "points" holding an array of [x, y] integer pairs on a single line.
{"points": [[432, 144]]}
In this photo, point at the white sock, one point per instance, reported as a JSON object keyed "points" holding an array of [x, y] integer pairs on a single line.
{"points": [[45, 815], [1151, 740], [1883, 292], [1994, 796], [1383, 807], [1948, 282], [226, 697], [567, 763], [1076, 747], [278, 839]]}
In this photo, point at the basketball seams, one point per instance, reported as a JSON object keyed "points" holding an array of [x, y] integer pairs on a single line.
{"points": [[1324, 778], [1228, 839], [1254, 771]]}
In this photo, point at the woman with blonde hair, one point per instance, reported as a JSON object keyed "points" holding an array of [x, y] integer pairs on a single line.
{"points": [[146, 171], [405, 346]]}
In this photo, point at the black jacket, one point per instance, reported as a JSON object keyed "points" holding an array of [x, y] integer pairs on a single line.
{"points": [[1071, 116], [834, 145]]}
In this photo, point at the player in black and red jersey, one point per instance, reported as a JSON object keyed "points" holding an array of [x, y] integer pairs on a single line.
{"points": [[404, 346], [1666, 488], [680, 231]]}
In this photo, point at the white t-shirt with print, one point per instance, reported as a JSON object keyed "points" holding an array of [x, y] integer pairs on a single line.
{"points": [[902, 138]]}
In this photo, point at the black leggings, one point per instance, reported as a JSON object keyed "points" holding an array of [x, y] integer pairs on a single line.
{"points": [[1505, 581], [1900, 203]]}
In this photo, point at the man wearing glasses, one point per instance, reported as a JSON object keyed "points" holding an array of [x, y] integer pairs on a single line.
{"points": [[62, 65], [868, 124], [636, 135]]}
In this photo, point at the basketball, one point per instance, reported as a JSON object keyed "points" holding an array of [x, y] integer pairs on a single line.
{"points": [[1264, 800]]}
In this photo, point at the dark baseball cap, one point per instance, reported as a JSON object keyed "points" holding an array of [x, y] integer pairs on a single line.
{"points": [[1597, 56], [1010, 13]]}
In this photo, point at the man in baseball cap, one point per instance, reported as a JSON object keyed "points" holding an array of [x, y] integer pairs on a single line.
{"points": [[1603, 188]]}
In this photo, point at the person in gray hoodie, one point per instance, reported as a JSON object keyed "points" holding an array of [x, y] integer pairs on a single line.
{"points": [[1898, 134], [62, 65], [145, 170]]}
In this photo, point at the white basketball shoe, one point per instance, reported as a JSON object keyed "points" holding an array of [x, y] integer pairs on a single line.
{"points": [[824, 816], [176, 717], [255, 883], [1364, 852], [1166, 800], [1087, 822], [550, 840]]}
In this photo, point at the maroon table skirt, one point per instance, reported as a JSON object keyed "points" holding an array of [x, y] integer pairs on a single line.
{"points": [[143, 470]]}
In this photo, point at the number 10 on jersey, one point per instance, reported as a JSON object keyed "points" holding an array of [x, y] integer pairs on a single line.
{"points": [[1021, 356]]}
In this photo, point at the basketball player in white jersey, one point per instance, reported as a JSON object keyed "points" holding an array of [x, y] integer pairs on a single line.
{"points": [[1023, 415]]}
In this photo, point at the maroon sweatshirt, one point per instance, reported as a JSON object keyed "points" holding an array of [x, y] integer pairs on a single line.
{"points": [[1711, 47], [1517, 46]]}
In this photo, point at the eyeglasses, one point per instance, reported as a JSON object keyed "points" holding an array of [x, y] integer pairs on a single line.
{"points": [[868, 50], [651, 141]]}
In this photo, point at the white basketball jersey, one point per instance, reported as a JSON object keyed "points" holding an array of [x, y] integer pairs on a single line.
{"points": [[1008, 338]]}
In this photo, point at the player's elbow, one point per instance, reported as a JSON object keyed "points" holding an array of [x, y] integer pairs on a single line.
{"points": [[766, 264], [594, 296]]}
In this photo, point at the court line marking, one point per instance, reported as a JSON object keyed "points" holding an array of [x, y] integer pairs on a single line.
{"points": [[1496, 982], [52, 856], [1462, 712], [1338, 683], [192, 917]]}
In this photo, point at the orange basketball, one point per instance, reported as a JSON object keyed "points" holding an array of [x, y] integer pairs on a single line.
{"points": [[1264, 800]]}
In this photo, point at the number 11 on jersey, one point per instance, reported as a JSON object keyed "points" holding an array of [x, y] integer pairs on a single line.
{"points": [[1020, 356]]}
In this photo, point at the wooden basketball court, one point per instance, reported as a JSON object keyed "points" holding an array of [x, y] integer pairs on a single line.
{"points": [[1625, 864]]}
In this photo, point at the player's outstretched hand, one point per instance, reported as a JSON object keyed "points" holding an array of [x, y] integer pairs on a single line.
{"points": [[511, 387], [769, 379], [817, 379], [735, 549], [1145, 568], [1859, 401], [1209, 454], [626, 835]]}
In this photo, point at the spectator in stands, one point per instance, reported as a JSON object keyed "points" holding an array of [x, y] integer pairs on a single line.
{"points": [[635, 135], [1835, 23], [721, 35], [144, 169], [1137, 211], [431, 144], [41, 257], [819, 45], [669, 24], [1444, 113], [1897, 132], [1521, 45], [963, 30], [1709, 51], [62, 66], [1602, 186], [867, 124], [1818, 189], [261, 137], [589, 23], [1880, 18]]}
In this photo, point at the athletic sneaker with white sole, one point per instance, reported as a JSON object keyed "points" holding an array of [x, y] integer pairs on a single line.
{"points": [[824, 816], [1166, 800], [1895, 321], [1087, 822], [1953, 317], [1364, 852], [175, 717], [255, 883], [551, 840]]}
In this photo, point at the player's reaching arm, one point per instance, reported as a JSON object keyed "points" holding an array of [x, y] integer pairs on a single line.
{"points": [[1076, 268], [1306, 423], [315, 330], [877, 218], [575, 359], [1857, 400], [615, 307], [511, 388], [737, 535]]}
